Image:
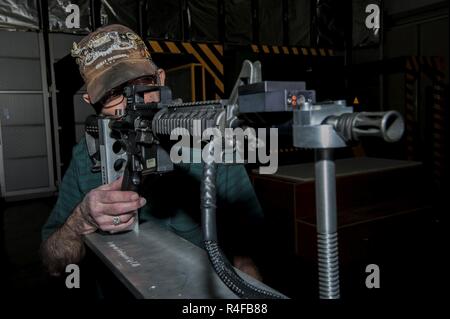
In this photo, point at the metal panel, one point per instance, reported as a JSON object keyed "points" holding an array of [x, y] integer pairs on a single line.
{"points": [[26, 173], [25, 44], [24, 109], [61, 44], [26, 150], [24, 141], [20, 74], [154, 263]]}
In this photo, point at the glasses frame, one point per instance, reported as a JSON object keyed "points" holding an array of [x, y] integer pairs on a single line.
{"points": [[150, 80]]}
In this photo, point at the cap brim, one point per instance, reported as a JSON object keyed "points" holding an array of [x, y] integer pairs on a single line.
{"points": [[118, 74]]}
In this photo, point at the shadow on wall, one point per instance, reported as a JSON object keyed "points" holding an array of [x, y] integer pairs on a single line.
{"points": [[68, 82]]}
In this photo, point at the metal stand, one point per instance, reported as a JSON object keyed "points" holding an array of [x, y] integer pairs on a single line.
{"points": [[323, 128], [326, 215]]}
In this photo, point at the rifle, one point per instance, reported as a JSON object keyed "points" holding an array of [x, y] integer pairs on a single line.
{"points": [[134, 144]]}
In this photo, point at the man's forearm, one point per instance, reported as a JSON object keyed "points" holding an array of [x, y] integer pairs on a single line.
{"points": [[65, 246]]}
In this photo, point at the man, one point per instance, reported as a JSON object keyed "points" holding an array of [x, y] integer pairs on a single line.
{"points": [[110, 58]]}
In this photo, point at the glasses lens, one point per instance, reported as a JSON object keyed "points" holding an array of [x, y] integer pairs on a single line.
{"points": [[112, 96], [117, 93]]}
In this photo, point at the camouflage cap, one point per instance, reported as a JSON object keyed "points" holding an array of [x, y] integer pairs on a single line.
{"points": [[111, 56]]}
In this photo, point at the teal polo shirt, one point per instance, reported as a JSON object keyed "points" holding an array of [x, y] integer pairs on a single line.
{"points": [[173, 201]]}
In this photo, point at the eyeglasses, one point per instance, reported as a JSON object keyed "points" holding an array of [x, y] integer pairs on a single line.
{"points": [[116, 96]]}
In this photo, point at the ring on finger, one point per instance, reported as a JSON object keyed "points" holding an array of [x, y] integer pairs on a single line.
{"points": [[116, 220]]}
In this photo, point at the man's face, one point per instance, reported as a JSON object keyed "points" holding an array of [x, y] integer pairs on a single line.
{"points": [[115, 100]]}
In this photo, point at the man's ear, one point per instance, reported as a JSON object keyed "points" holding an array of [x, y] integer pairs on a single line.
{"points": [[162, 76], [86, 98]]}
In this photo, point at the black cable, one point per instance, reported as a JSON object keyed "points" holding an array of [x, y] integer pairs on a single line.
{"points": [[220, 264]]}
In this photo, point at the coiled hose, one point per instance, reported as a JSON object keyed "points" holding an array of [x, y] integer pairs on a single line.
{"points": [[218, 260]]}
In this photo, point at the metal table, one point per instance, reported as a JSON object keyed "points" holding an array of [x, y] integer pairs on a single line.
{"points": [[156, 263]]}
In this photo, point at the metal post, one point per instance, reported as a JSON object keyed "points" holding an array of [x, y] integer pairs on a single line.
{"points": [[326, 215]]}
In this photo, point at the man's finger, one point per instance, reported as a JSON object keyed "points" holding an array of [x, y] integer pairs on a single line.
{"points": [[122, 207], [107, 220], [120, 227], [110, 196], [114, 186]]}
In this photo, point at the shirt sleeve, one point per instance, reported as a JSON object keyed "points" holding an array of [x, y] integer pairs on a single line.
{"points": [[69, 196]]}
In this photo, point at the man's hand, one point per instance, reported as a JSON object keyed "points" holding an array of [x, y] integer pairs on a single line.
{"points": [[246, 264], [108, 208], [97, 211]]}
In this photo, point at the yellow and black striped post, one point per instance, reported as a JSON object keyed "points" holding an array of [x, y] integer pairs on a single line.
{"points": [[210, 55]]}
